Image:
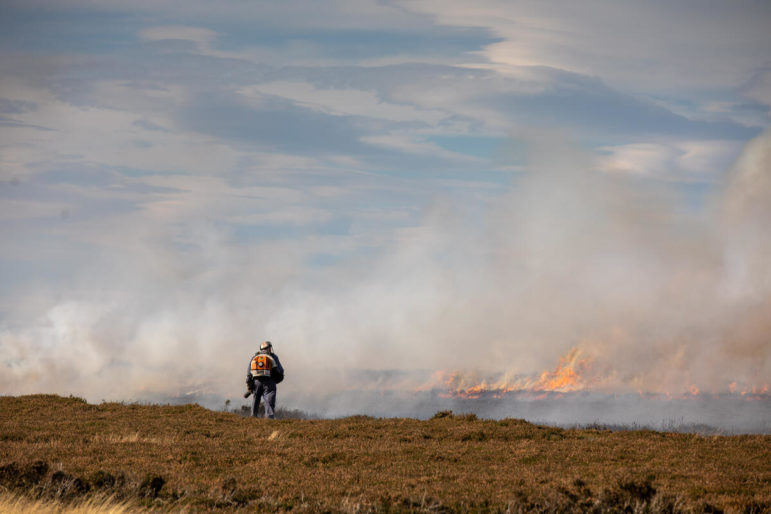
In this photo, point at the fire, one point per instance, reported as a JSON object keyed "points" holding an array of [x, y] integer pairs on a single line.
{"points": [[569, 375], [574, 372], [754, 390], [566, 377]]}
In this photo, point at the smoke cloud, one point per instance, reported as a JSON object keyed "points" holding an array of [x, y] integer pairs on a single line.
{"points": [[657, 296]]}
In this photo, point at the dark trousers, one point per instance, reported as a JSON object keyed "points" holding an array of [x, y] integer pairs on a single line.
{"points": [[265, 390]]}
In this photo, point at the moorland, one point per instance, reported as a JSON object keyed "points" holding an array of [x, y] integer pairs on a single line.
{"points": [[65, 451]]}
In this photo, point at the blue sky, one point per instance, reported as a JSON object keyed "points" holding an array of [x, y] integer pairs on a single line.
{"points": [[234, 163]]}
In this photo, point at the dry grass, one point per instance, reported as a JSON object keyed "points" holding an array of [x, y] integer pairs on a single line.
{"points": [[19, 504], [189, 458], [136, 437]]}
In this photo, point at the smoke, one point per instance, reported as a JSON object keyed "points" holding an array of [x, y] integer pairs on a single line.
{"points": [[658, 296]]}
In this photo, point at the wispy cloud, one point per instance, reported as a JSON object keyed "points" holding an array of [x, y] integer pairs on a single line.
{"points": [[200, 36], [658, 46]]}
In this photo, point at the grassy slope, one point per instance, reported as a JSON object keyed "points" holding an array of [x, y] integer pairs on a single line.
{"points": [[219, 460]]}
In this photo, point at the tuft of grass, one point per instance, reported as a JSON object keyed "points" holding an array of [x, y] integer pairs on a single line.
{"points": [[18, 504], [135, 437]]}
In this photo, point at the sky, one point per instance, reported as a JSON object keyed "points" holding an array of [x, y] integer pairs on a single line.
{"points": [[383, 189]]}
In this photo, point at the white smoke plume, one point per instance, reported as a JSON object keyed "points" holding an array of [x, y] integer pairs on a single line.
{"points": [[659, 299]]}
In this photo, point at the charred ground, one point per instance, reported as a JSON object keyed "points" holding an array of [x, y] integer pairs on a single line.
{"points": [[175, 457]]}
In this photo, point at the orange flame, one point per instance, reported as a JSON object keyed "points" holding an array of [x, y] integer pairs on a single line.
{"points": [[747, 391], [567, 376], [573, 372]]}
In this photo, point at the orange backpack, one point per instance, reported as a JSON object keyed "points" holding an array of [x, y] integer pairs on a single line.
{"points": [[262, 364]]}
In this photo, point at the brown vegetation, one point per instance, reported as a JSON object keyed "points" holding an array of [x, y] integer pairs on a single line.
{"points": [[18, 504], [187, 457]]}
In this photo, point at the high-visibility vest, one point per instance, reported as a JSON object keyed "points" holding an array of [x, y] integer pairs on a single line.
{"points": [[262, 364]]}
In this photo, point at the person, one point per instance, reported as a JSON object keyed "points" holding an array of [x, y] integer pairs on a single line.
{"points": [[265, 371]]}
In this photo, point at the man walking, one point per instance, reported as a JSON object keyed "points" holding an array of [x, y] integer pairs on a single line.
{"points": [[265, 371]]}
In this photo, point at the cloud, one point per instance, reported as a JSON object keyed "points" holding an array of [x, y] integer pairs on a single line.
{"points": [[274, 125], [759, 88], [590, 106], [342, 102], [372, 117], [673, 160], [107, 134], [649, 47], [406, 143], [15, 106], [201, 36]]}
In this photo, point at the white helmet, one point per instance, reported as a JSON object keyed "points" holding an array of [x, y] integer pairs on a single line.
{"points": [[266, 346]]}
